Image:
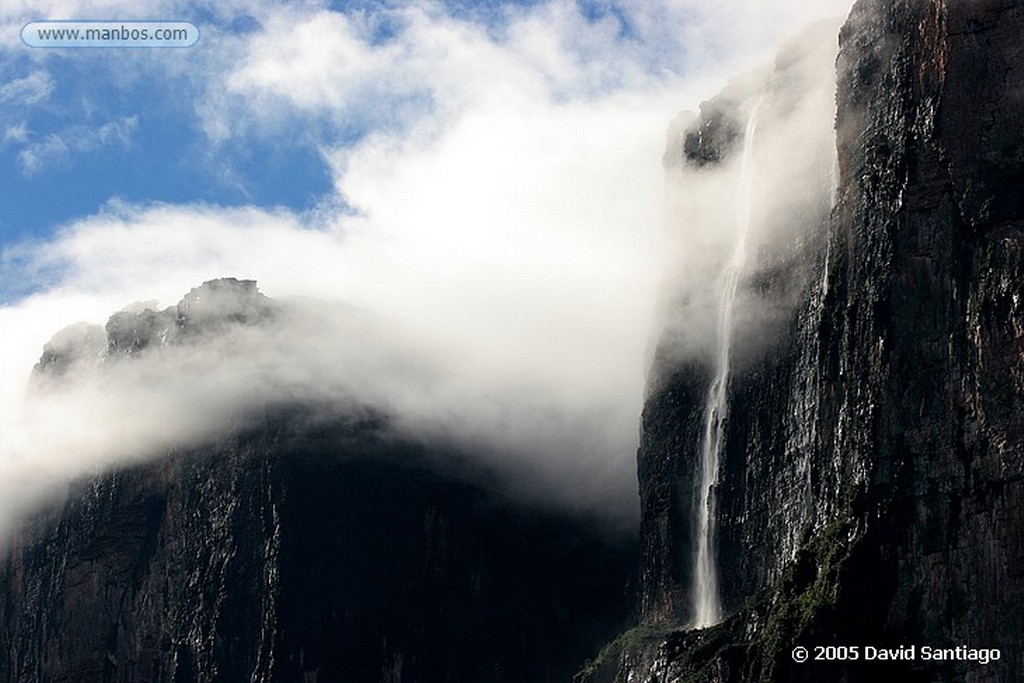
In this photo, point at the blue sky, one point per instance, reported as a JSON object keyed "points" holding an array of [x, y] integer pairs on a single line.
{"points": [[80, 129], [88, 133]]}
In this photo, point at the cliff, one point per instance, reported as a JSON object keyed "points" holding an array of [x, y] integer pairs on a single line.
{"points": [[303, 543], [870, 489]]}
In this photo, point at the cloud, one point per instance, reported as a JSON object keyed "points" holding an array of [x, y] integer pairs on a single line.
{"points": [[35, 157], [434, 65], [58, 149], [16, 133], [772, 191], [497, 207], [27, 91], [310, 61], [528, 324]]}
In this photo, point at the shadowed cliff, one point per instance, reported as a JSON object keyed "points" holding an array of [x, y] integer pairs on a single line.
{"points": [[870, 489], [303, 542]]}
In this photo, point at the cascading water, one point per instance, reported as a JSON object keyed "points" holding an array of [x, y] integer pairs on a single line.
{"points": [[707, 603]]}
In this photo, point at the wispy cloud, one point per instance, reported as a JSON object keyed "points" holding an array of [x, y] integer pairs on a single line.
{"points": [[28, 90], [59, 149], [16, 133]]}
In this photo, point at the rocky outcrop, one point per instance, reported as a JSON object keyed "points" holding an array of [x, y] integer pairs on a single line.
{"points": [[871, 490], [205, 311]]}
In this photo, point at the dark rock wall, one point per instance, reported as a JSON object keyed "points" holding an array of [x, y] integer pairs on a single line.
{"points": [[886, 434], [931, 147], [305, 551]]}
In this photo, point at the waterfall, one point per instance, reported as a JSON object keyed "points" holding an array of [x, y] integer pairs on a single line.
{"points": [[707, 604]]}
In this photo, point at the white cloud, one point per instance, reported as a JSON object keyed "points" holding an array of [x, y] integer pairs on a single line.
{"points": [[311, 61], [436, 66]]}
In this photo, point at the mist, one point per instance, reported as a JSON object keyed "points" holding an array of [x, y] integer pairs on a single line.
{"points": [[486, 270], [793, 173]]}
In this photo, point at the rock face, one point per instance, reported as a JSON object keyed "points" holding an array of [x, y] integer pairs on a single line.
{"points": [[307, 545], [205, 310], [870, 492], [305, 552]]}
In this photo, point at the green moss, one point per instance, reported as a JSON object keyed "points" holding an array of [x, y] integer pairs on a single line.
{"points": [[808, 591], [632, 639], [752, 644], [692, 654]]}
